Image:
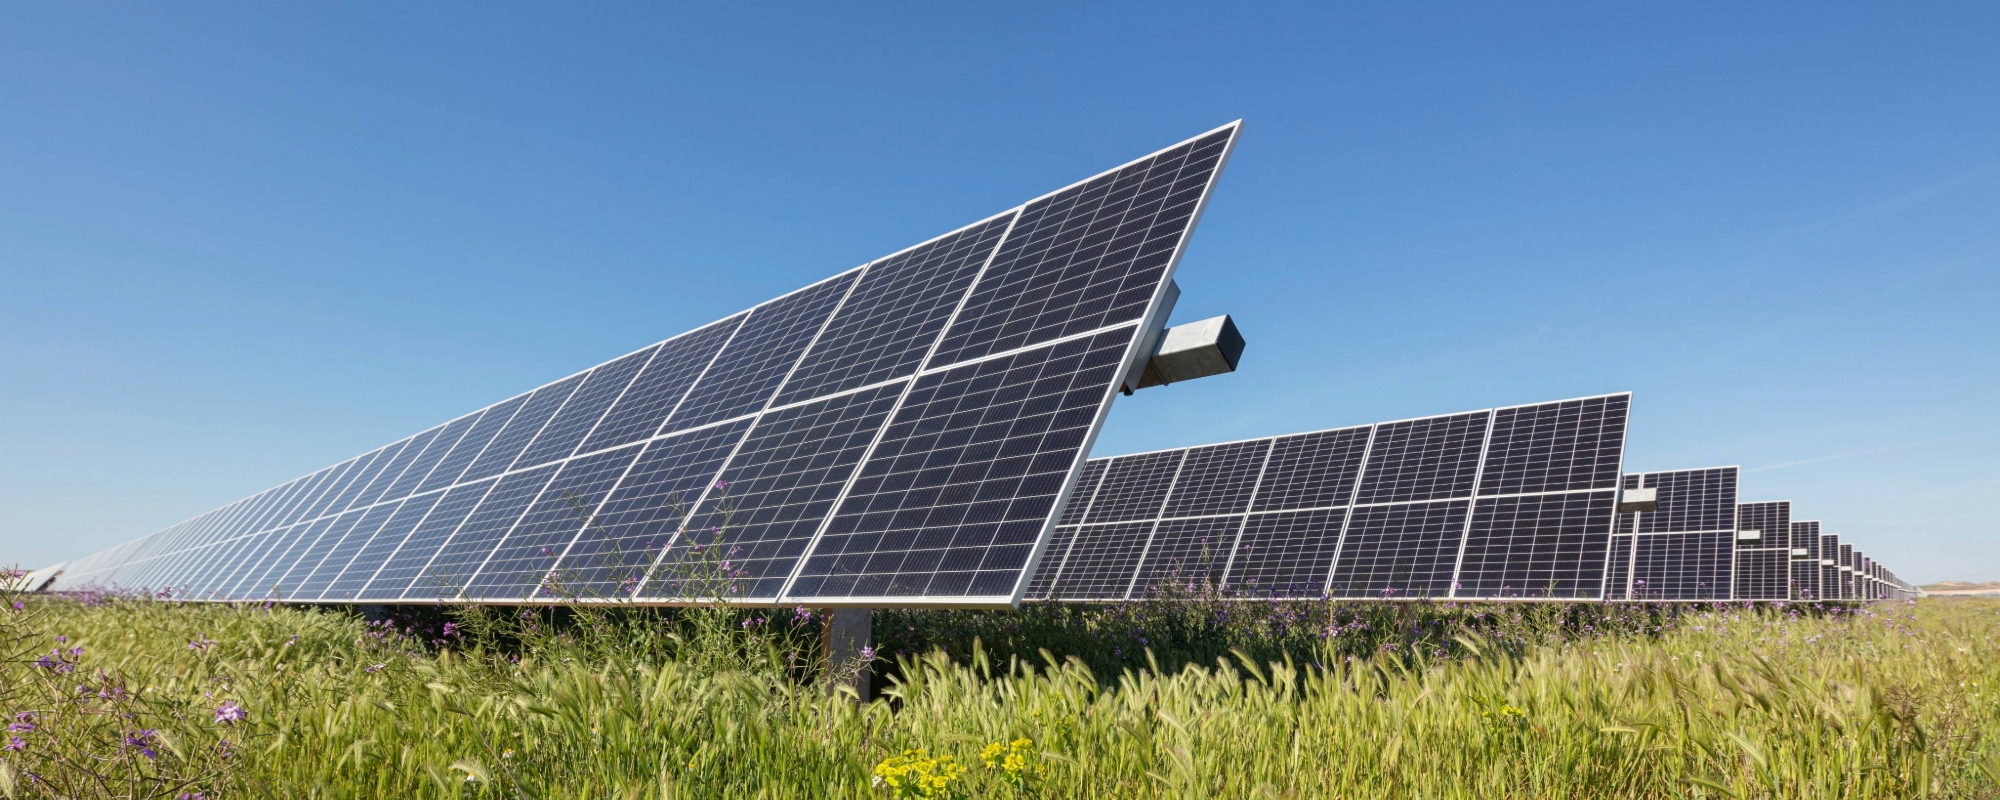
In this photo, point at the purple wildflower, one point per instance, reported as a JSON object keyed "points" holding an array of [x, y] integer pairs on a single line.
{"points": [[142, 742], [16, 743], [451, 629], [229, 713], [201, 642]]}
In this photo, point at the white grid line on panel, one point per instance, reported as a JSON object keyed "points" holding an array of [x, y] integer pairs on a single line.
{"points": [[1153, 318], [1472, 508], [895, 408], [723, 467], [1354, 493], [1166, 499]]}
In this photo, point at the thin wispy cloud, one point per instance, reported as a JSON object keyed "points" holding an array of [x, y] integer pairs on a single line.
{"points": [[1904, 199], [1867, 451]]}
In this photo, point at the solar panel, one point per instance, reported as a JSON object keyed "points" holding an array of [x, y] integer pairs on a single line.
{"points": [[1685, 548], [902, 433], [1512, 502], [1805, 560], [1845, 564], [1763, 550], [1829, 570]]}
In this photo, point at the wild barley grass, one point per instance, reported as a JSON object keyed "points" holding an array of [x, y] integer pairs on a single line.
{"points": [[1892, 700]]}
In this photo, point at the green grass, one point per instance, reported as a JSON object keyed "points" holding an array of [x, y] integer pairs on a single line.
{"points": [[1411, 700]]}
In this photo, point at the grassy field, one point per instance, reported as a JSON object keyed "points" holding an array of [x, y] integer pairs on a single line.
{"points": [[136, 698]]}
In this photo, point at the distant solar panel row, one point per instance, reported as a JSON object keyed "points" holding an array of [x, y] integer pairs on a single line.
{"points": [[1511, 503], [902, 432], [1700, 544], [1683, 550]]}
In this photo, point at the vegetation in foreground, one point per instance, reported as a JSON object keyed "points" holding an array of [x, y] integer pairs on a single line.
{"points": [[126, 697]]}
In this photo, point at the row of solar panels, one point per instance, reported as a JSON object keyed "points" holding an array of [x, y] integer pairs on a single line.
{"points": [[1508, 503], [902, 432], [1699, 543], [914, 431]]}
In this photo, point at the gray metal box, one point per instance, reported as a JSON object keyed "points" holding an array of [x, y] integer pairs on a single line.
{"points": [[1638, 500], [1199, 349]]}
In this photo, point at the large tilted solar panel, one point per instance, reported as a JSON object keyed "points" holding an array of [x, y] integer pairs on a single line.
{"points": [[1805, 560], [1763, 550], [1503, 503], [1685, 550], [901, 433]]}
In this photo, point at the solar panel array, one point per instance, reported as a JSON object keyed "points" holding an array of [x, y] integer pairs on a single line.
{"points": [[1685, 549], [1505, 503], [913, 432], [1763, 550], [901, 433]]}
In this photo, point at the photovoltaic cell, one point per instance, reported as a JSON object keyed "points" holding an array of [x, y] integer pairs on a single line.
{"points": [[291, 584], [1424, 459], [629, 530], [1087, 257], [1548, 546], [1846, 559], [1286, 554], [760, 356], [448, 471], [378, 489], [1313, 470], [983, 451], [447, 573], [327, 493], [1134, 488], [524, 558], [259, 546], [1554, 447], [909, 427], [1102, 562], [773, 496], [1829, 571], [659, 388], [252, 583], [1618, 567], [1053, 558], [1187, 557], [1086, 489], [338, 555], [1217, 480], [1681, 566], [1689, 501], [380, 545], [513, 440], [1685, 549], [884, 330], [1408, 550], [1761, 575], [560, 437], [408, 557], [1805, 560], [427, 461]]}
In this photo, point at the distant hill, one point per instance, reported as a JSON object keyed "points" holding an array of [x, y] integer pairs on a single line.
{"points": [[1962, 587]]}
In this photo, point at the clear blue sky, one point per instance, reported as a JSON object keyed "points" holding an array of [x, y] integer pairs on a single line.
{"points": [[241, 243]]}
